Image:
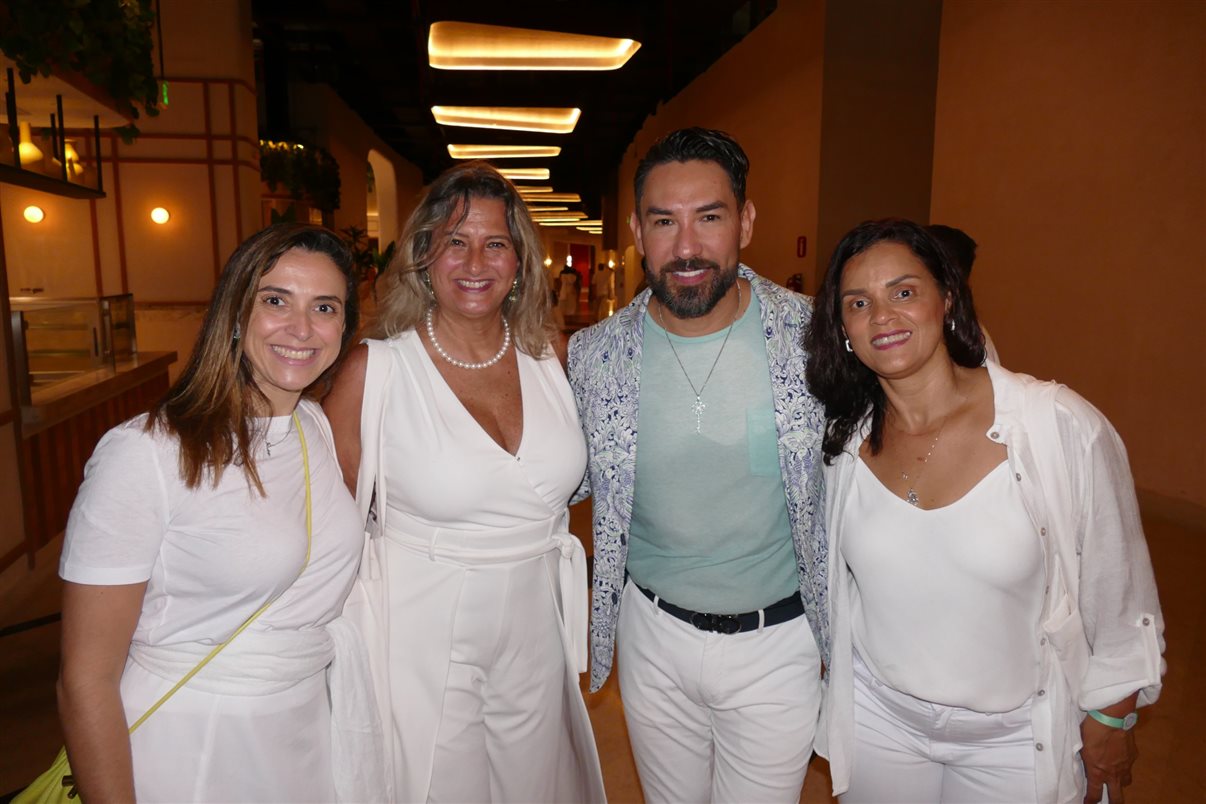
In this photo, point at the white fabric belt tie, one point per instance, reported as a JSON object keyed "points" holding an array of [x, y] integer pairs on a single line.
{"points": [[255, 663], [507, 545]]}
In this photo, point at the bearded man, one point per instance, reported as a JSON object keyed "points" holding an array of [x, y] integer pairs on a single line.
{"points": [[709, 540]]}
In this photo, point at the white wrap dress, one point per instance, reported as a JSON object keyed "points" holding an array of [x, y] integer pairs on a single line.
{"points": [[256, 723], [472, 594]]}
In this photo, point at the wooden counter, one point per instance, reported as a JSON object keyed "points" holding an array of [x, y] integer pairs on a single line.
{"points": [[62, 426]]}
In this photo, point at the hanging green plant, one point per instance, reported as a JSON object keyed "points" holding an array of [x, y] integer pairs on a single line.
{"points": [[305, 171], [108, 42]]}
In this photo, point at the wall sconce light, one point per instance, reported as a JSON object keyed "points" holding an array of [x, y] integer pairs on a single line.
{"points": [[34, 214], [548, 261], [160, 215], [30, 153], [74, 168]]}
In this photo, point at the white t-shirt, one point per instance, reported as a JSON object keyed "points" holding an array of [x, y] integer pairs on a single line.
{"points": [[212, 556]]}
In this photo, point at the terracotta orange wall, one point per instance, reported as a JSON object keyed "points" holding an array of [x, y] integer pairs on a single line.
{"points": [[1071, 143], [766, 92]]}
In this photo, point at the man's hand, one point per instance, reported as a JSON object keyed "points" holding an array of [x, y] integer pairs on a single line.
{"points": [[1108, 754]]}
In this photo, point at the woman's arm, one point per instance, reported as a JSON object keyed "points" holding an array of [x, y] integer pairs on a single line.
{"points": [[342, 407], [1108, 753], [98, 624]]}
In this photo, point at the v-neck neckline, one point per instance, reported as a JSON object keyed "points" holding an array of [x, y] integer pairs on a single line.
{"points": [[523, 400]]}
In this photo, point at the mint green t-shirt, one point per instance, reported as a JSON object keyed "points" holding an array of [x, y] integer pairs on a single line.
{"points": [[710, 530]]}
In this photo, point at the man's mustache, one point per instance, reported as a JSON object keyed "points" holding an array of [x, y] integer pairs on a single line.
{"points": [[694, 264]]}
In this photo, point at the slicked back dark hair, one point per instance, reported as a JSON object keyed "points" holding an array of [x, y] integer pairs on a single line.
{"points": [[695, 144], [958, 243], [848, 389]]}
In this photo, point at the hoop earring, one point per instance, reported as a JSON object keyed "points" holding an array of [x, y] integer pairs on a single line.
{"points": [[425, 278], [513, 295], [951, 325], [848, 349]]}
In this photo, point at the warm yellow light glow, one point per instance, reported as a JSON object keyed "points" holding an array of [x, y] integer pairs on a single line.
{"points": [[611, 263], [511, 118], [534, 210], [559, 198], [557, 220], [548, 261], [160, 215], [74, 168], [468, 46], [571, 223], [590, 230], [544, 216], [29, 153], [525, 174], [34, 214], [501, 151], [534, 189]]}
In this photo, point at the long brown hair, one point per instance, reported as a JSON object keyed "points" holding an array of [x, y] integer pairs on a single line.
{"points": [[211, 407], [403, 298]]}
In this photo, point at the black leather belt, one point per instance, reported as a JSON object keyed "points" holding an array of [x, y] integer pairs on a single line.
{"points": [[786, 609]]}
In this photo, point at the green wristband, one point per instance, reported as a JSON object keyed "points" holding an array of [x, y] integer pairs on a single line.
{"points": [[1125, 723]]}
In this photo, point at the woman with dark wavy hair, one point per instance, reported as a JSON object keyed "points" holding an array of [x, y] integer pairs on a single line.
{"points": [[993, 610], [456, 424], [221, 516]]}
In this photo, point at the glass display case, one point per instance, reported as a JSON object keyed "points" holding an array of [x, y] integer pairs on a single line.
{"points": [[58, 339]]}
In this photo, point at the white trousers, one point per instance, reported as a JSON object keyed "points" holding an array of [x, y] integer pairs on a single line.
{"points": [[505, 733], [717, 717], [907, 750]]}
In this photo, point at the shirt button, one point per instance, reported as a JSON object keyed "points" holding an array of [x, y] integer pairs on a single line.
{"points": [[994, 435], [1043, 641], [1043, 531], [1017, 477], [1147, 621], [1038, 746], [1041, 693]]}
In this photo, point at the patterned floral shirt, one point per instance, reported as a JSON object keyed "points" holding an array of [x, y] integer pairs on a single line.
{"points": [[605, 372]]}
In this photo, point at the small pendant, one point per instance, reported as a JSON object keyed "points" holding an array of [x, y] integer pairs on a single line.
{"points": [[698, 407], [911, 498]]}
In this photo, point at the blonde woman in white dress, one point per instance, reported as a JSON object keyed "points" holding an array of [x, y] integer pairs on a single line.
{"points": [[459, 427]]}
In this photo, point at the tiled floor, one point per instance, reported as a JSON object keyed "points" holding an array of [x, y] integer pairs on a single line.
{"points": [[1172, 741]]}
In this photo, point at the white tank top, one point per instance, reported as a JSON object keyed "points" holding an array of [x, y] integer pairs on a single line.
{"points": [[945, 602]]}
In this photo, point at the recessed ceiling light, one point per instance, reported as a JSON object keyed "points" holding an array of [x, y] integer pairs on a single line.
{"points": [[557, 198], [469, 46], [525, 174], [501, 151], [512, 118]]}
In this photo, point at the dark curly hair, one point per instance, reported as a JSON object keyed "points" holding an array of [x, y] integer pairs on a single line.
{"points": [[848, 389]]}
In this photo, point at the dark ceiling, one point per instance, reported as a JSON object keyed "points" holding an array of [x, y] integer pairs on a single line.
{"points": [[374, 54]]}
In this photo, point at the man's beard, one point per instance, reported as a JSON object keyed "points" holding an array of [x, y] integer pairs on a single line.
{"points": [[690, 301]]}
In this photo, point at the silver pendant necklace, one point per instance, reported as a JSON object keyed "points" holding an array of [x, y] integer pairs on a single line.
{"points": [[268, 445], [911, 498], [506, 344], [699, 405]]}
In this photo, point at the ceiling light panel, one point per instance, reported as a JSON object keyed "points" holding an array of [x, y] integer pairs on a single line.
{"points": [[572, 223], [511, 118], [525, 174], [536, 189], [534, 210], [469, 46], [501, 151], [556, 198]]}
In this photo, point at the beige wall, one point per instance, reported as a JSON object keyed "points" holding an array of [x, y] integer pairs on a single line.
{"points": [[766, 92], [1071, 143]]}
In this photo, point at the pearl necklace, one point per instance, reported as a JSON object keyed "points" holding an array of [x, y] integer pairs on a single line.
{"points": [[506, 344]]}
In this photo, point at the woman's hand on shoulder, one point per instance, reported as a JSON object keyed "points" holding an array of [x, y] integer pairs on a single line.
{"points": [[342, 406]]}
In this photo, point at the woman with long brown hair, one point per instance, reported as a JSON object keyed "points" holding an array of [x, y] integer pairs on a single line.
{"points": [[457, 423], [221, 508]]}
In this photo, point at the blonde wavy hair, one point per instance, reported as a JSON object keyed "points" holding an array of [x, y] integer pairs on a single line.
{"points": [[403, 297]]}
